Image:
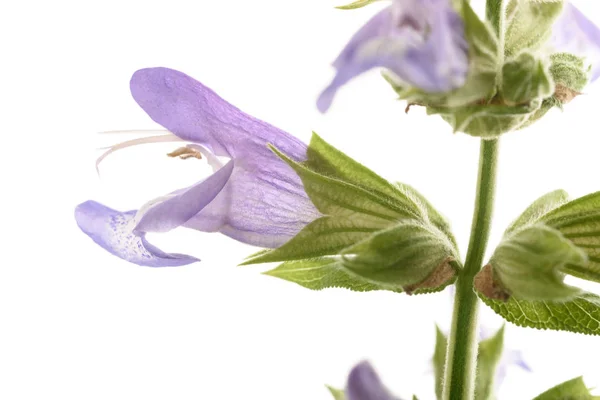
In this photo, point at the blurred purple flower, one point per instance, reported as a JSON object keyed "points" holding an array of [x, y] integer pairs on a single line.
{"points": [[421, 41], [254, 197], [510, 357], [364, 384], [574, 33]]}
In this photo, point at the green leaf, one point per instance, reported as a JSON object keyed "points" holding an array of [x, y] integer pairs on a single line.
{"points": [[490, 352], [335, 197], [357, 4], [336, 393], [487, 120], [439, 360], [321, 273], [529, 24], [538, 209], [326, 160], [432, 214], [488, 356], [573, 389], [410, 255], [579, 315], [579, 222], [570, 76], [322, 237], [493, 14], [529, 261], [525, 78]]}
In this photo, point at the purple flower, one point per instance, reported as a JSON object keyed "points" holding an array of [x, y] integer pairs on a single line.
{"points": [[510, 357], [364, 384], [574, 33], [254, 197], [421, 41]]}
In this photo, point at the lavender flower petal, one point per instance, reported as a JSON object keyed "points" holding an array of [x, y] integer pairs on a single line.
{"points": [[113, 230], [509, 358], [574, 33], [364, 384], [181, 207], [264, 202], [421, 41], [197, 114]]}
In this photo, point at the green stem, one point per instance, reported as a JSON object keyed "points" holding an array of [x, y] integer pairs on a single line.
{"points": [[461, 355]]}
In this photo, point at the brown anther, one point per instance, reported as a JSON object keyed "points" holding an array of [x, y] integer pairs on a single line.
{"points": [[185, 152]]}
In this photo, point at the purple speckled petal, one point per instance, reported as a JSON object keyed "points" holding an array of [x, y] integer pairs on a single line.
{"points": [[364, 384], [574, 33], [264, 202], [421, 41], [113, 230]]}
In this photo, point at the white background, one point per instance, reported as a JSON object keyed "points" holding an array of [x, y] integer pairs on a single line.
{"points": [[78, 323]]}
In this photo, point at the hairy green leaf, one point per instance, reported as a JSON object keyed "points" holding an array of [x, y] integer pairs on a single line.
{"points": [[525, 78], [573, 389], [322, 273], [322, 237], [570, 76], [579, 222], [326, 160], [538, 209], [439, 360], [432, 214], [405, 255], [490, 352], [529, 261], [487, 120], [335, 197], [493, 14], [579, 315], [529, 24], [336, 393]]}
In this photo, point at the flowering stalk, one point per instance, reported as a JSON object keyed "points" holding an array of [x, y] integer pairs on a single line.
{"points": [[459, 382], [461, 354]]}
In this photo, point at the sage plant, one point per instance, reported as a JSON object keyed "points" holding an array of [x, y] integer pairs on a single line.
{"points": [[332, 222]]}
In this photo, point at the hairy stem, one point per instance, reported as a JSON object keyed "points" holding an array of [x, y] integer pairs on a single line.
{"points": [[461, 355]]}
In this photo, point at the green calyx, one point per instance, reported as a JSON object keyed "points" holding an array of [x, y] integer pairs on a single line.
{"points": [[373, 235], [512, 81]]}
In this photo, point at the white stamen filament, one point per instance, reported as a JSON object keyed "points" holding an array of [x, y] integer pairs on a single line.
{"points": [[159, 136], [136, 142], [135, 132]]}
